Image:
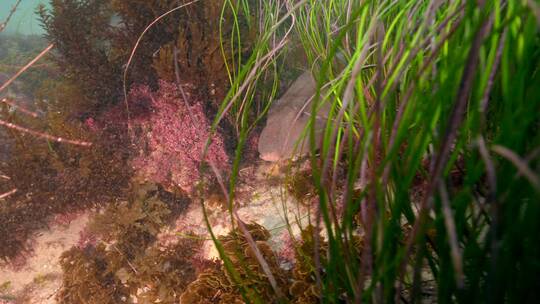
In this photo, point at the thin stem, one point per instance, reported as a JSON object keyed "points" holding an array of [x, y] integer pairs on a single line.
{"points": [[44, 135], [26, 67], [7, 194], [4, 24]]}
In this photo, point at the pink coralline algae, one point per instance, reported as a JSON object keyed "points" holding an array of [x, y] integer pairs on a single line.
{"points": [[170, 134]]}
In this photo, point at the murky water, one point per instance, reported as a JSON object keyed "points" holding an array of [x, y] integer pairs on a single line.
{"points": [[120, 130], [95, 195], [24, 21]]}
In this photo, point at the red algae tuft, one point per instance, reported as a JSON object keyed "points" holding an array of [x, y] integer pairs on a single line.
{"points": [[171, 135]]}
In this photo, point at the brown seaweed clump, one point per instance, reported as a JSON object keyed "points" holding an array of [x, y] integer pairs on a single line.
{"points": [[88, 279], [56, 179], [205, 49], [163, 273], [131, 227], [249, 282], [173, 273], [211, 286], [103, 275], [130, 264], [300, 186], [217, 285], [303, 288]]}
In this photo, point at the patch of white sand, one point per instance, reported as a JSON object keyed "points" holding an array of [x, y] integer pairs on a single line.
{"points": [[41, 276]]}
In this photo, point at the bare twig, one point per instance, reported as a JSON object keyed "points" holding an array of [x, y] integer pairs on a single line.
{"points": [[44, 135], [4, 24], [9, 193], [26, 67], [26, 130], [18, 107], [35, 66]]}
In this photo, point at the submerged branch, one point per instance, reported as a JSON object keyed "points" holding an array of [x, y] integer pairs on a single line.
{"points": [[44, 135], [4, 24], [7, 194], [26, 67], [18, 107]]}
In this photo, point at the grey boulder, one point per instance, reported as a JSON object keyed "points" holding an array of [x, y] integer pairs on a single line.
{"points": [[286, 135]]}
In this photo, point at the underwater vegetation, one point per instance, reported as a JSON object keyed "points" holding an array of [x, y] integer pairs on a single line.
{"points": [[297, 284], [86, 39], [81, 101], [299, 185], [86, 278], [424, 174], [124, 266], [217, 285], [127, 260], [56, 178], [94, 39], [430, 150], [15, 52], [100, 275], [202, 50], [171, 131]]}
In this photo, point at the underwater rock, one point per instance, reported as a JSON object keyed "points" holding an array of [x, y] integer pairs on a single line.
{"points": [[285, 135]]}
